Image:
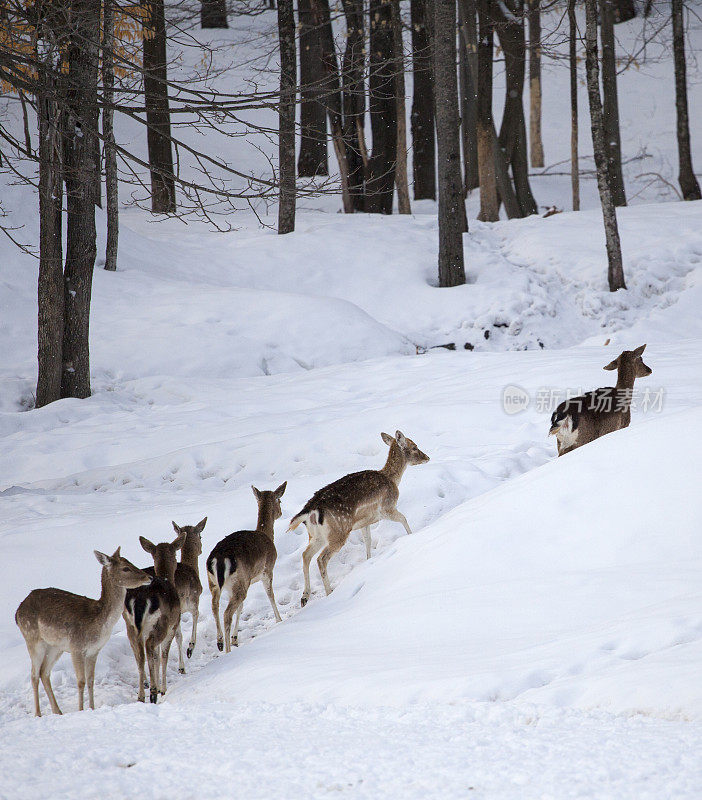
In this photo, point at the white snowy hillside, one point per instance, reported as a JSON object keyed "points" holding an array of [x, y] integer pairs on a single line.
{"points": [[539, 635]]}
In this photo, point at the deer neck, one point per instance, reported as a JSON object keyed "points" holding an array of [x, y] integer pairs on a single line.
{"points": [[266, 521], [625, 387], [189, 552], [111, 601], [165, 569], [395, 465]]}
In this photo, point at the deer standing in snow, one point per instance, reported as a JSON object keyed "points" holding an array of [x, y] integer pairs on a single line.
{"points": [[357, 500], [152, 615], [583, 419], [54, 621], [242, 558], [187, 583]]}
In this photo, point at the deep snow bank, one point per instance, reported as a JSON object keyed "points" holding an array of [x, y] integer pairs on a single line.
{"points": [[576, 584]]}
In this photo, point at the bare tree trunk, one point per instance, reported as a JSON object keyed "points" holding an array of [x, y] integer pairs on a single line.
{"points": [[81, 245], [615, 270], [313, 114], [50, 286], [451, 206], [108, 135], [422, 116], [611, 103], [572, 52], [510, 31], [158, 117], [489, 204], [213, 14], [354, 101], [688, 182], [383, 109], [321, 18], [468, 68], [537, 147], [286, 116], [401, 183]]}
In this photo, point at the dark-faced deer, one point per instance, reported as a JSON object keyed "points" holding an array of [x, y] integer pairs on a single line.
{"points": [[53, 622], [152, 615], [239, 560], [187, 582], [355, 501], [583, 419]]}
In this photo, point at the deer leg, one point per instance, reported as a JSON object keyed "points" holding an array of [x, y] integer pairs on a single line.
{"points": [[152, 652], [90, 678], [165, 650], [51, 657], [79, 668], [37, 658], [313, 547], [323, 561], [236, 601], [267, 581], [214, 589], [397, 516], [139, 656], [191, 645], [179, 642], [366, 532]]}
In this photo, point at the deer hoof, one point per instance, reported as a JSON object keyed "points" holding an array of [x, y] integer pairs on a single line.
{"points": [[153, 695], [303, 601], [220, 645], [146, 684], [189, 651], [181, 670]]}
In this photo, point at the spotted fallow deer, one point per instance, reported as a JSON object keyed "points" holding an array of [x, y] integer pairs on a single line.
{"points": [[241, 559], [187, 583], [152, 615], [580, 420], [54, 621], [357, 500]]}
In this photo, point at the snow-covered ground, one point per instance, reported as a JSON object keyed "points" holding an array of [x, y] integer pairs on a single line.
{"points": [[539, 635]]}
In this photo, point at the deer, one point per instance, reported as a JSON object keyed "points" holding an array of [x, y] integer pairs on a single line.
{"points": [[240, 559], [187, 583], [580, 420], [357, 500], [54, 621], [152, 616]]}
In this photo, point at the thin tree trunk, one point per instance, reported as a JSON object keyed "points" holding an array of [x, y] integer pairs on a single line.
{"points": [[25, 120], [50, 285], [401, 183], [468, 67], [422, 116], [108, 134], [286, 116], [354, 101], [611, 103], [81, 246], [213, 14], [158, 117], [451, 206], [510, 31], [489, 204], [615, 269], [536, 144], [321, 18], [312, 159], [383, 109], [688, 182], [574, 161]]}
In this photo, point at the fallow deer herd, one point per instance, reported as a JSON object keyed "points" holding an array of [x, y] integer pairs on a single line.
{"points": [[151, 600]]}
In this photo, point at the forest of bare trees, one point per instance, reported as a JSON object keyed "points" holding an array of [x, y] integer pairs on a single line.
{"points": [[349, 78]]}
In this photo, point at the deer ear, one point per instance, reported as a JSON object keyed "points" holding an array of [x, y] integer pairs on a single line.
{"points": [[105, 560], [176, 528], [116, 554], [387, 438], [280, 491], [639, 350], [146, 544], [400, 438], [200, 527], [613, 364], [257, 493], [179, 541]]}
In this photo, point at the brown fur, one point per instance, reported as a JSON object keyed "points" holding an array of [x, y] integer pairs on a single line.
{"points": [[583, 419], [54, 621], [240, 559], [357, 500], [187, 583], [151, 633]]}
